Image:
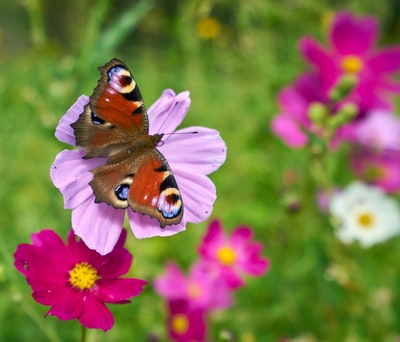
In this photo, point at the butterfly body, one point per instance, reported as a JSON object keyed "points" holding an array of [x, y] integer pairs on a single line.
{"points": [[114, 125]]}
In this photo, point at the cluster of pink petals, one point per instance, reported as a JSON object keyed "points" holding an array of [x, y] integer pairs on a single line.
{"points": [[376, 156], [191, 157], [211, 281], [352, 36], [47, 262]]}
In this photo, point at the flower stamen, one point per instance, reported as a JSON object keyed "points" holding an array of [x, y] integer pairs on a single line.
{"points": [[83, 276], [179, 324], [226, 255], [352, 64], [366, 220]]}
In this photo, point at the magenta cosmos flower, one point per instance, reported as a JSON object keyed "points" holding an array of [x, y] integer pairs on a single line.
{"points": [[229, 256], [200, 289], [185, 323], [191, 158], [75, 280], [352, 50]]}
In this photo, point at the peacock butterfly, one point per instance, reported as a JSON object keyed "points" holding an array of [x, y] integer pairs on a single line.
{"points": [[115, 125]]}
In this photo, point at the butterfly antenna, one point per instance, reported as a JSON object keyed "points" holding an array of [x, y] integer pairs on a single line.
{"points": [[176, 133]]}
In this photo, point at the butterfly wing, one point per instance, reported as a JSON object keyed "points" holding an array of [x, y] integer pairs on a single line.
{"points": [[148, 187], [114, 125], [115, 114]]}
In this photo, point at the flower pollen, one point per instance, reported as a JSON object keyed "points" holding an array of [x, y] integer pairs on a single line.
{"points": [[83, 276], [179, 324], [352, 64], [226, 256], [366, 220]]}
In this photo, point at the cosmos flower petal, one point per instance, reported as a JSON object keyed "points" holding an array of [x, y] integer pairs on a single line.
{"points": [[118, 290], [352, 35], [96, 315], [68, 306], [168, 111], [171, 285], [70, 174], [98, 224], [386, 60], [198, 195], [64, 131], [195, 147], [321, 59], [144, 226]]}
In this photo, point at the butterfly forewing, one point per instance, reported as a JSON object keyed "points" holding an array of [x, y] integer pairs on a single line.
{"points": [[114, 125]]}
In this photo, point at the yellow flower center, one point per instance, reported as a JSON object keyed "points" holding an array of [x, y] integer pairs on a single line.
{"points": [[194, 290], [83, 276], [226, 256], [366, 220], [179, 324], [352, 64], [208, 28]]}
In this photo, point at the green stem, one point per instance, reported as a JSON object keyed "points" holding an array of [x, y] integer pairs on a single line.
{"points": [[83, 333]]}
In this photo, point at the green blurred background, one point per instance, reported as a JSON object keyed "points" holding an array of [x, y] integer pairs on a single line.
{"points": [[317, 289]]}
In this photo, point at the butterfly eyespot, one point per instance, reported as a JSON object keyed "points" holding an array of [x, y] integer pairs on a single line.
{"points": [[122, 191], [96, 119]]}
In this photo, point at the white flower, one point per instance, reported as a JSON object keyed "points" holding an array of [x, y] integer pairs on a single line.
{"points": [[364, 213]]}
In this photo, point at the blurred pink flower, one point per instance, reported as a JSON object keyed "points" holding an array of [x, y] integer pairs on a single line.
{"points": [[75, 280], [200, 288], [293, 124], [185, 323], [352, 50], [379, 168], [380, 130], [231, 255], [191, 158]]}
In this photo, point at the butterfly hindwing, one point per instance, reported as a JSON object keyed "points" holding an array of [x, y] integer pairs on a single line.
{"points": [[114, 125], [148, 186]]}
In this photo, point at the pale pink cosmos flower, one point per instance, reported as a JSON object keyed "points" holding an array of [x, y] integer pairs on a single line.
{"points": [[200, 288], [191, 158], [231, 256], [75, 280], [352, 49]]}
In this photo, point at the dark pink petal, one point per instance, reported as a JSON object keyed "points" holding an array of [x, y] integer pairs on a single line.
{"points": [[144, 226], [253, 264], [98, 224], [48, 256], [322, 60], [69, 306], [198, 148], [240, 237], [50, 296], [118, 290], [95, 314], [352, 35], [289, 131], [168, 112], [229, 276], [212, 240], [114, 264], [171, 285], [64, 131], [385, 61]]}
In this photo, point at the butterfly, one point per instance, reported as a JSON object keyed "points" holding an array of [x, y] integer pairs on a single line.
{"points": [[115, 125]]}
